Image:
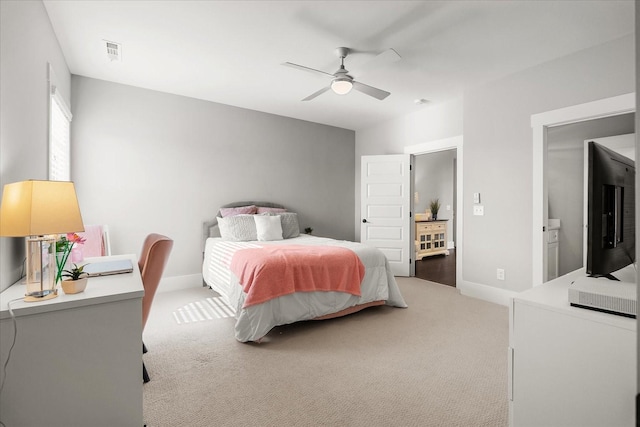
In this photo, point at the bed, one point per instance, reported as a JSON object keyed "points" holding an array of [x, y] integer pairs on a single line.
{"points": [[244, 247]]}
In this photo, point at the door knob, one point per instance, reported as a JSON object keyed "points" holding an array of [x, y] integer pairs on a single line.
{"points": [[364, 220]]}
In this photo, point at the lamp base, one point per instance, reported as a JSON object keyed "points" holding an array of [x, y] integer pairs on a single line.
{"points": [[41, 265], [33, 297]]}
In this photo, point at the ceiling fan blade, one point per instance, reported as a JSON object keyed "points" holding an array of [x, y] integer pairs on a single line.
{"points": [[318, 93], [371, 91], [303, 68]]}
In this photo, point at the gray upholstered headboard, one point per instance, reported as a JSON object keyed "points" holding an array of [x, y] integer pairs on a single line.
{"points": [[210, 228]]}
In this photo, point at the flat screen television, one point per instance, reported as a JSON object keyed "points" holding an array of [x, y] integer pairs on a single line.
{"points": [[611, 212]]}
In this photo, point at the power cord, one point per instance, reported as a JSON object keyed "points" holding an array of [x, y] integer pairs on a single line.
{"points": [[13, 343]]}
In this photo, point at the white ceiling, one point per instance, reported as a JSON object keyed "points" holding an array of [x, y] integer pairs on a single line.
{"points": [[231, 51]]}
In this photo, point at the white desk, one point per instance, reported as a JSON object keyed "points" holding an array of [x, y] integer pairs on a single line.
{"points": [[77, 360], [569, 366]]}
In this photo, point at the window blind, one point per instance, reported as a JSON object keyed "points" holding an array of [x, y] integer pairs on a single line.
{"points": [[59, 138]]}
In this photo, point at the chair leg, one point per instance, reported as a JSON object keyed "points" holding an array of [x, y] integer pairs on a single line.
{"points": [[145, 375]]}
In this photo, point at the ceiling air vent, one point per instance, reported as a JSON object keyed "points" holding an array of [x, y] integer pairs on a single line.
{"points": [[114, 50]]}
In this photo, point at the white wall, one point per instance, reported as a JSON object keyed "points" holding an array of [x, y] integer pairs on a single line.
{"points": [[145, 161], [498, 151], [27, 45], [430, 122]]}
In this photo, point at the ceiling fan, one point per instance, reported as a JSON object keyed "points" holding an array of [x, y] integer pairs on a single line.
{"points": [[342, 82]]}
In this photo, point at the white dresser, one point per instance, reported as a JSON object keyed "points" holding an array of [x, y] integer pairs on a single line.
{"points": [[77, 359], [569, 366]]}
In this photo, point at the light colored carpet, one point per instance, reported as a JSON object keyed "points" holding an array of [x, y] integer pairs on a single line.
{"points": [[440, 362]]}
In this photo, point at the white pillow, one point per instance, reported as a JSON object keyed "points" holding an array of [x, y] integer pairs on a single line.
{"points": [[239, 228], [268, 227]]}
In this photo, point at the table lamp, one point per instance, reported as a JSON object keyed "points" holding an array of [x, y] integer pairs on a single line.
{"points": [[39, 210]]}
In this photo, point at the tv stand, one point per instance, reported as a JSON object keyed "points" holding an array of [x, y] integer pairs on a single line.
{"points": [[569, 366], [606, 276]]}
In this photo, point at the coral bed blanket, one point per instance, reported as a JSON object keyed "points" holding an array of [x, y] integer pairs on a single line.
{"points": [[273, 271]]}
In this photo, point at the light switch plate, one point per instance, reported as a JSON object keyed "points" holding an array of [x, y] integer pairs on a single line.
{"points": [[476, 197]]}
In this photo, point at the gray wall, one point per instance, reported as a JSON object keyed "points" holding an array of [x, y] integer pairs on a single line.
{"points": [[145, 161], [565, 174], [497, 158], [27, 44]]}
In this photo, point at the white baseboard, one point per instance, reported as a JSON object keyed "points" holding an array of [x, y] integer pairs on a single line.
{"points": [[486, 293], [168, 284]]}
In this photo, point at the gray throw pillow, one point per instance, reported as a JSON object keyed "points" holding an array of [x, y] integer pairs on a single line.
{"points": [[238, 228], [290, 226]]}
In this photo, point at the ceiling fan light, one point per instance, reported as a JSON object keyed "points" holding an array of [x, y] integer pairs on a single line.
{"points": [[341, 86]]}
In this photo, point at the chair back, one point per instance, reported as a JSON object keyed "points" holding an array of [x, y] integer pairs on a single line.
{"points": [[153, 259]]}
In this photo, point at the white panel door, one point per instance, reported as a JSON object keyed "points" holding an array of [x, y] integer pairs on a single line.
{"points": [[386, 185]]}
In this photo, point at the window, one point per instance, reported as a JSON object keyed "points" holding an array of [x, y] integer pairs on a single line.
{"points": [[59, 137]]}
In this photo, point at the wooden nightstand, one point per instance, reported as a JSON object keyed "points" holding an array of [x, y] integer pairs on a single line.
{"points": [[431, 238]]}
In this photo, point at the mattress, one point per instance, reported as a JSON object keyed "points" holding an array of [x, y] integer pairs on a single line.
{"points": [[254, 322]]}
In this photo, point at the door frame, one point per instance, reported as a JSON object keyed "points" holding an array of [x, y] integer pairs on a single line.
{"points": [[606, 107], [453, 143]]}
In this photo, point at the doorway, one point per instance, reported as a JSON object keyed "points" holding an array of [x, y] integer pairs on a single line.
{"points": [[567, 175], [456, 144], [435, 180], [540, 124]]}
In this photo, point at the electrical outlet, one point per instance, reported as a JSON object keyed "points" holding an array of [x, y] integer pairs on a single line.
{"points": [[500, 273], [478, 210]]}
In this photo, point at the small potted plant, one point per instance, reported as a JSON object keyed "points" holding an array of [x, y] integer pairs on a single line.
{"points": [[64, 247], [435, 207], [74, 279]]}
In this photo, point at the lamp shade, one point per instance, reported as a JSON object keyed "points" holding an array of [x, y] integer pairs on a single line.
{"points": [[341, 86], [37, 208]]}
